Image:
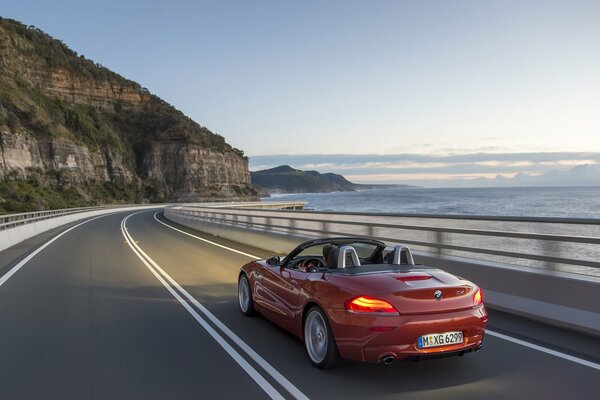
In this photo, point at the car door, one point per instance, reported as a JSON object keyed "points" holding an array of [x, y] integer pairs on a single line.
{"points": [[281, 291]]}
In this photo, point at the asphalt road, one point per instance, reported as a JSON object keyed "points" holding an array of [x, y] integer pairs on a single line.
{"points": [[96, 316]]}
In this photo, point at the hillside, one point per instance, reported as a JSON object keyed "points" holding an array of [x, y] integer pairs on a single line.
{"points": [[285, 179], [73, 133]]}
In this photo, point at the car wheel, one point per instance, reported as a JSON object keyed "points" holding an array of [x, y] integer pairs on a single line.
{"points": [[318, 339], [245, 296]]}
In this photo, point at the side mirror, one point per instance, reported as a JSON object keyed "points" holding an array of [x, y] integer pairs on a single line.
{"points": [[273, 260]]}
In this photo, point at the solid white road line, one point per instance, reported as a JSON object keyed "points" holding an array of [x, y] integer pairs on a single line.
{"points": [[491, 333], [24, 261], [544, 349], [153, 267], [205, 240], [264, 364]]}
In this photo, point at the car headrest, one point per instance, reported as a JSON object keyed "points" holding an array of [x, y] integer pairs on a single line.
{"points": [[401, 254], [347, 257], [332, 258]]}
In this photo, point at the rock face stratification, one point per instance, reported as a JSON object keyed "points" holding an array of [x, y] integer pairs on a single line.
{"points": [[24, 156], [208, 174], [74, 133]]}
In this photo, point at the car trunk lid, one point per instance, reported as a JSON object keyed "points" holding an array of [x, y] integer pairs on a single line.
{"points": [[414, 292]]}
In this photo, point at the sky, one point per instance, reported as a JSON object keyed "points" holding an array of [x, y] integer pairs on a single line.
{"points": [[317, 83]]}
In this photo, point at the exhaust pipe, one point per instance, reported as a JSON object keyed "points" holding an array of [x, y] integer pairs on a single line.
{"points": [[388, 359]]}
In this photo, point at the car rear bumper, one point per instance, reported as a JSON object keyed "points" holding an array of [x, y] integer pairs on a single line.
{"points": [[373, 338]]}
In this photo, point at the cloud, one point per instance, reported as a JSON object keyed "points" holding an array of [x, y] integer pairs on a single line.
{"points": [[581, 175], [419, 177], [346, 159], [553, 168]]}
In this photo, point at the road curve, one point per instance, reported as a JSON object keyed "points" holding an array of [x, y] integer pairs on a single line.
{"points": [[149, 312]]}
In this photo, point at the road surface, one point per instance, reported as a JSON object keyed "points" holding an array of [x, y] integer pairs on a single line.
{"points": [[125, 306]]}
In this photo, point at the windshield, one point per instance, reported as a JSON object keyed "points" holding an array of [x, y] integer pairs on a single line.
{"points": [[364, 250]]}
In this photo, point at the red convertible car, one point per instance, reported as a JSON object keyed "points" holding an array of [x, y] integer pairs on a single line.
{"points": [[357, 299]]}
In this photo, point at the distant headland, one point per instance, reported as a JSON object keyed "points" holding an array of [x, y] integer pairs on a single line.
{"points": [[285, 179]]}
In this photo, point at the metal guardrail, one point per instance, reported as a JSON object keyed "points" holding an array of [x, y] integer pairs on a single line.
{"points": [[263, 205], [550, 243], [13, 220]]}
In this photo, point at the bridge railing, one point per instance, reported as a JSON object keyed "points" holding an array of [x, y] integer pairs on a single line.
{"points": [[560, 244], [12, 220], [261, 205]]}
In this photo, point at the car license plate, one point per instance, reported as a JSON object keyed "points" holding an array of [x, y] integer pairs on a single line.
{"points": [[439, 339]]}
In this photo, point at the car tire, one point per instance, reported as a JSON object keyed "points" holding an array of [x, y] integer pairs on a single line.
{"points": [[318, 339], [245, 300]]}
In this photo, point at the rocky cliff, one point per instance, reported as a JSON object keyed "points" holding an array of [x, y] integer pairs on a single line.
{"points": [[74, 133]]}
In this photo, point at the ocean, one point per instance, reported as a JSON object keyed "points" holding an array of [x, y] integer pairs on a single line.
{"points": [[561, 202], [567, 202]]}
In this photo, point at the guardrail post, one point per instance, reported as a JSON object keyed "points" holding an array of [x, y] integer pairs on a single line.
{"points": [[439, 240], [551, 249], [292, 225]]}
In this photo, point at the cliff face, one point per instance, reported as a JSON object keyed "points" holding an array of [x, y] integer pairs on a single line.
{"points": [[68, 123], [23, 155], [75, 90], [208, 174]]}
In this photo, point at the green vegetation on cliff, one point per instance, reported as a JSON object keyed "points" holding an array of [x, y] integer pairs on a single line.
{"points": [[36, 194], [289, 180], [55, 54], [285, 179], [51, 97], [24, 104]]}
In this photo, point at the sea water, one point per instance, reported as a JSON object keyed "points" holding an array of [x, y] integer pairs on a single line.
{"points": [[557, 202], [567, 202]]}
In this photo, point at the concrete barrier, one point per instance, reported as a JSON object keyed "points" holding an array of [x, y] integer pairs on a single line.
{"points": [[17, 234], [563, 299], [278, 243]]}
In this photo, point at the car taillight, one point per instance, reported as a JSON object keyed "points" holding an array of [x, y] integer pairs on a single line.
{"points": [[414, 278], [478, 297], [365, 304]]}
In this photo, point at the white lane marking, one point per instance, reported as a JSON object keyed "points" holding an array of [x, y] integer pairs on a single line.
{"points": [[24, 261], [283, 381], [491, 333], [249, 369], [207, 241], [544, 349]]}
